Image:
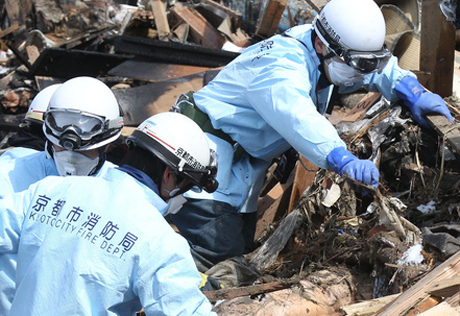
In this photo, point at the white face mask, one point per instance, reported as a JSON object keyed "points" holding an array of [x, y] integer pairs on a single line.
{"points": [[175, 204], [73, 163], [341, 74]]}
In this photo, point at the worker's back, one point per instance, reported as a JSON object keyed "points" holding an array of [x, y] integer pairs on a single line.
{"points": [[92, 245]]}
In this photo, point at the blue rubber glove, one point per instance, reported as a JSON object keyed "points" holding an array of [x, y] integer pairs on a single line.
{"points": [[344, 162], [421, 102]]}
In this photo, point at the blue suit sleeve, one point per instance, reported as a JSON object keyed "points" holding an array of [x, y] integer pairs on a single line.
{"points": [[168, 281], [12, 215], [282, 97]]}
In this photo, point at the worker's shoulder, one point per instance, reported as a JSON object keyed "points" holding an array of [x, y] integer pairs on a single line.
{"points": [[22, 155], [12, 153], [34, 163]]}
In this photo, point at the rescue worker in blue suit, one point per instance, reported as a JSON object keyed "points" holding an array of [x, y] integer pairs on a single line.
{"points": [[100, 245], [30, 137], [83, 101], [271, 98], [73, 107]]}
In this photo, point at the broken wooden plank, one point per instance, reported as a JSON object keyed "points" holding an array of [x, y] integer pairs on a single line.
{"points": [[9, 30], [271, 18], [443, 308], [446, 129], [367, 308], [161, 19], [317, 4], [445, 288], [417, 293], [181, 32], [203, 32], [83, 37], [359, 110], [319, 294], [236, 17], [272, 206], [267, 253], [425, 305], [304, 177], [222, 294], [15, 13], [437, 48]]}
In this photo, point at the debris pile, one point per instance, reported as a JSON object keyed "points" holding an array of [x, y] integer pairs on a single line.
{"points": [[368, 243]]}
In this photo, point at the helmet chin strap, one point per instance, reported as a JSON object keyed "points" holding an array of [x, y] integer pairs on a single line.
{"points": [[102, 158]]}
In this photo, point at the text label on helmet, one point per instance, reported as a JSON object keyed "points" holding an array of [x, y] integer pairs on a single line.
{"points": [[328, 28], [191, 161]]}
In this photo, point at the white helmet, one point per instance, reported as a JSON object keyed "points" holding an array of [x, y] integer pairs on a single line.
{"points": [[83, 114], [355, 31], [39, 105], [181, 144]]}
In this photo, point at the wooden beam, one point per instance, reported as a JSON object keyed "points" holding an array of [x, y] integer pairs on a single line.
{"points": [[9, 30], [236, 17], [303, 179], [437, 48], [14, 12], [359, 110], [161, 20], [442, 309], [417, 293], [271, 18], [367, 308], [273, 205], [446, 129], [214, 296], [203, 32], [317, 4], [445, 288]]}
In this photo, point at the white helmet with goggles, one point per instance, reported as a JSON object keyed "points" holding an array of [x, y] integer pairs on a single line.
{"points": [[354, 30], [181, 144], [83, 114], [39, 105]]}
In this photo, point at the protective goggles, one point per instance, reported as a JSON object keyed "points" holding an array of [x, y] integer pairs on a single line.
{"points": [[362, 62], [85, 125]]}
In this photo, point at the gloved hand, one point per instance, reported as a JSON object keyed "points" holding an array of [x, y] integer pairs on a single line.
{"points": [[421, 102], [208, 283], [344, 162]]}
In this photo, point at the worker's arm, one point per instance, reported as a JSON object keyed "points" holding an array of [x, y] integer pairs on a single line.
{"points": [[344, 162], [285, 103], [168, 281], [12, 215], [420, 101]]}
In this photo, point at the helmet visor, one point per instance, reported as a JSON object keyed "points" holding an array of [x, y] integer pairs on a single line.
{"points": [[85, 125], [367, 62]]}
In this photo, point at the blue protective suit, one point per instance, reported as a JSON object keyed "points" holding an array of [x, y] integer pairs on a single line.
{"points": [[16, 152], [17, 175], [267, 101], [97, 246]]}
